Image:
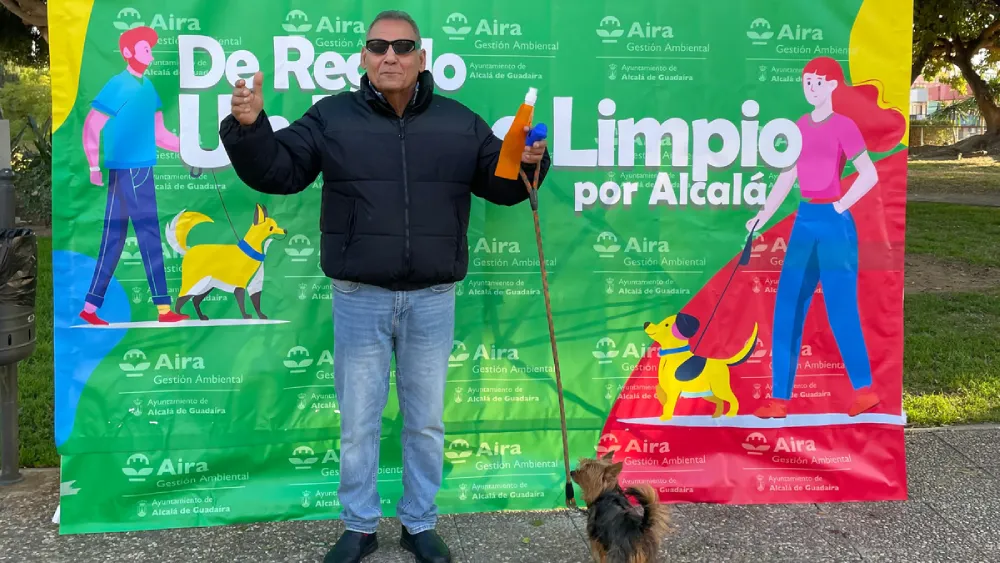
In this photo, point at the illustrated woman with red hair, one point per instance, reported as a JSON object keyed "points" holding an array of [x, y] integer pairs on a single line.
{"points": [[846, 123]]}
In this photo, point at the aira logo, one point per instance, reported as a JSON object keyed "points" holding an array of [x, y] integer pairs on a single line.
{"points": [[137, 468], [607, 444], [459, 353], [134, 363], [607, 245], [605, 350], [297, 360], [458, 452], [128, 18], [299, 248], [756, 444], [760, 31], [296, 21], [610, 29], [457, 26], [303, 457]]}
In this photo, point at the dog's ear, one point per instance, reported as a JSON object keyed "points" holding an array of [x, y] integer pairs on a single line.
{"points": [[687, 325], [608, 456], [259, 214], [614, 469]]}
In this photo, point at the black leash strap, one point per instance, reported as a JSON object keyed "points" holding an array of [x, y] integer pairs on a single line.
{"points": [[218, 191], [744, 260]]}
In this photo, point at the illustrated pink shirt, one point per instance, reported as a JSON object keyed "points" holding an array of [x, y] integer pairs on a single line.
{"points": [[826, 146]]}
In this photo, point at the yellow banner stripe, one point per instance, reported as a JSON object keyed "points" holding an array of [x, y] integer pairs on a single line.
{"points": [[881, 44], [68, 23]]}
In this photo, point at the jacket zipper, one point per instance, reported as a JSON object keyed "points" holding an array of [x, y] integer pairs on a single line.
{"points": [[351, 222], [406, 195]]}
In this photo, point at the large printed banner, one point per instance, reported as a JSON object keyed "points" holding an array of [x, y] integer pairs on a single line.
{"points": [[717, 369]]}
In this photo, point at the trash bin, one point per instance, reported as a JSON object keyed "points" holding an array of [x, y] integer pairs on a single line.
{"points": [[18, 284]]}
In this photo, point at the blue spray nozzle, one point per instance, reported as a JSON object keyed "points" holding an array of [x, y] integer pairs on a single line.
{"points": [[537, 133]]}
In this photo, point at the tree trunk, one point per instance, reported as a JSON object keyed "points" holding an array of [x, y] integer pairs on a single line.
{"points": [[980, 89]]}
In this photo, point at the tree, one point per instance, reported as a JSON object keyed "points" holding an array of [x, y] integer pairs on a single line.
{"points": [[19, 44], [963, 34], [33, 13]]}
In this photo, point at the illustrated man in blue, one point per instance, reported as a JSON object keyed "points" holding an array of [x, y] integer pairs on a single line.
{"points": [[129, 113]]}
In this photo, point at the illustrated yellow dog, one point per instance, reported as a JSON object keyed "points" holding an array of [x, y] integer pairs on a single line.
{"points": [[684, 374], [233, 268]]}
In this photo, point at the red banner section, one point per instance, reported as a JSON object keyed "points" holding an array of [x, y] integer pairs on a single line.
{"points": [[697, 423]]}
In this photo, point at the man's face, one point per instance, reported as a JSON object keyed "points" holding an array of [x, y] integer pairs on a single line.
{"points": [[391, 72], [141, 57]]}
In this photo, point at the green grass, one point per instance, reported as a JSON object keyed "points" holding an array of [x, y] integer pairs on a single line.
{"points": [[950, 358], [954, 232], [951, 372], [35, 375], [979, 175]]}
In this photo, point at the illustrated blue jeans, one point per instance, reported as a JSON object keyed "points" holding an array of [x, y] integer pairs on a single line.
{"points": [[370, 324], [823, 247], [131, 196]]}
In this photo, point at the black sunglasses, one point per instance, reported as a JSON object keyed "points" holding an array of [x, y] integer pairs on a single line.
{"points": [[399, 46]]}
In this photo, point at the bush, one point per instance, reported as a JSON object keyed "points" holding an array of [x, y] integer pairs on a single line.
{"points": [[936, 135], [33, 187], [26, 100]]}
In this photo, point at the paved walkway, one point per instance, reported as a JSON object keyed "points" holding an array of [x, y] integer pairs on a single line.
{"points": [[952, 515]]}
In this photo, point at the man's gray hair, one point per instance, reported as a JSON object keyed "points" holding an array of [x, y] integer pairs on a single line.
{"points": [[397, 15]]}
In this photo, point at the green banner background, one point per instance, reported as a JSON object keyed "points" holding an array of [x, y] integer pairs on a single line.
{"points": [[195, 426]]}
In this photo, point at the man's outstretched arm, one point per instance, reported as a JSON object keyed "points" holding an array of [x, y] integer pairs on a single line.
{"points": [[274, 162]]}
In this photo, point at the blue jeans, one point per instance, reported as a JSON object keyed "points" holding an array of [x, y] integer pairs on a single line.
{"points": [[369, 325], [823, 247], [131, 195]]}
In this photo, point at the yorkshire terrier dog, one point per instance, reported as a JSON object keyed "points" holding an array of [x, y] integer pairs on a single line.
{"points": [[618, 532]]}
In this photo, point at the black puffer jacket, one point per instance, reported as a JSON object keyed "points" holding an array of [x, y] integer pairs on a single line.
{"points": [[396, 191]]}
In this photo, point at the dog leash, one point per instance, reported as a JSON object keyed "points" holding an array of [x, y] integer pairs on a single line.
{"points": [[223, 201], [218, 191], [743, 261], [533, 197]]}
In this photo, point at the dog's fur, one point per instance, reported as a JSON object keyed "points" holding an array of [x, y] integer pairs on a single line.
{"points": [[228, 267], [617, 532], [684, 374]]}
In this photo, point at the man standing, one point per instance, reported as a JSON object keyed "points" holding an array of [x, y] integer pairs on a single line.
{"points": [[129, 112], [399, 166]]}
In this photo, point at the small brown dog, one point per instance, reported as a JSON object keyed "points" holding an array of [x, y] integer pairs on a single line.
{"points": [[617, 532]]}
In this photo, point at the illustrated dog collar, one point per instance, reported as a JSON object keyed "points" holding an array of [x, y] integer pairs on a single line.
{"points": [[249, 251], [668, 351]]}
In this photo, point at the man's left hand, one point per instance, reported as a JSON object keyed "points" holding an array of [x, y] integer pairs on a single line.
{"points": [[533, 153]]}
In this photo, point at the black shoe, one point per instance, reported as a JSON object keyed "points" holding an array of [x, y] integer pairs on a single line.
{"points": [[352, 547], [427, 546]]}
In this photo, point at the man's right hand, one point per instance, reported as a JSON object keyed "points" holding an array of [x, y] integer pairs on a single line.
{"points": [[247, 104]]}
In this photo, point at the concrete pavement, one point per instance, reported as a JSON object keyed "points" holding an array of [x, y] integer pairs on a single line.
{"points": [[953, 515]]}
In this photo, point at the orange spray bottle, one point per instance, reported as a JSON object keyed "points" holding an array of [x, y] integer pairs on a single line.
{"points": [[509, 163]]}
